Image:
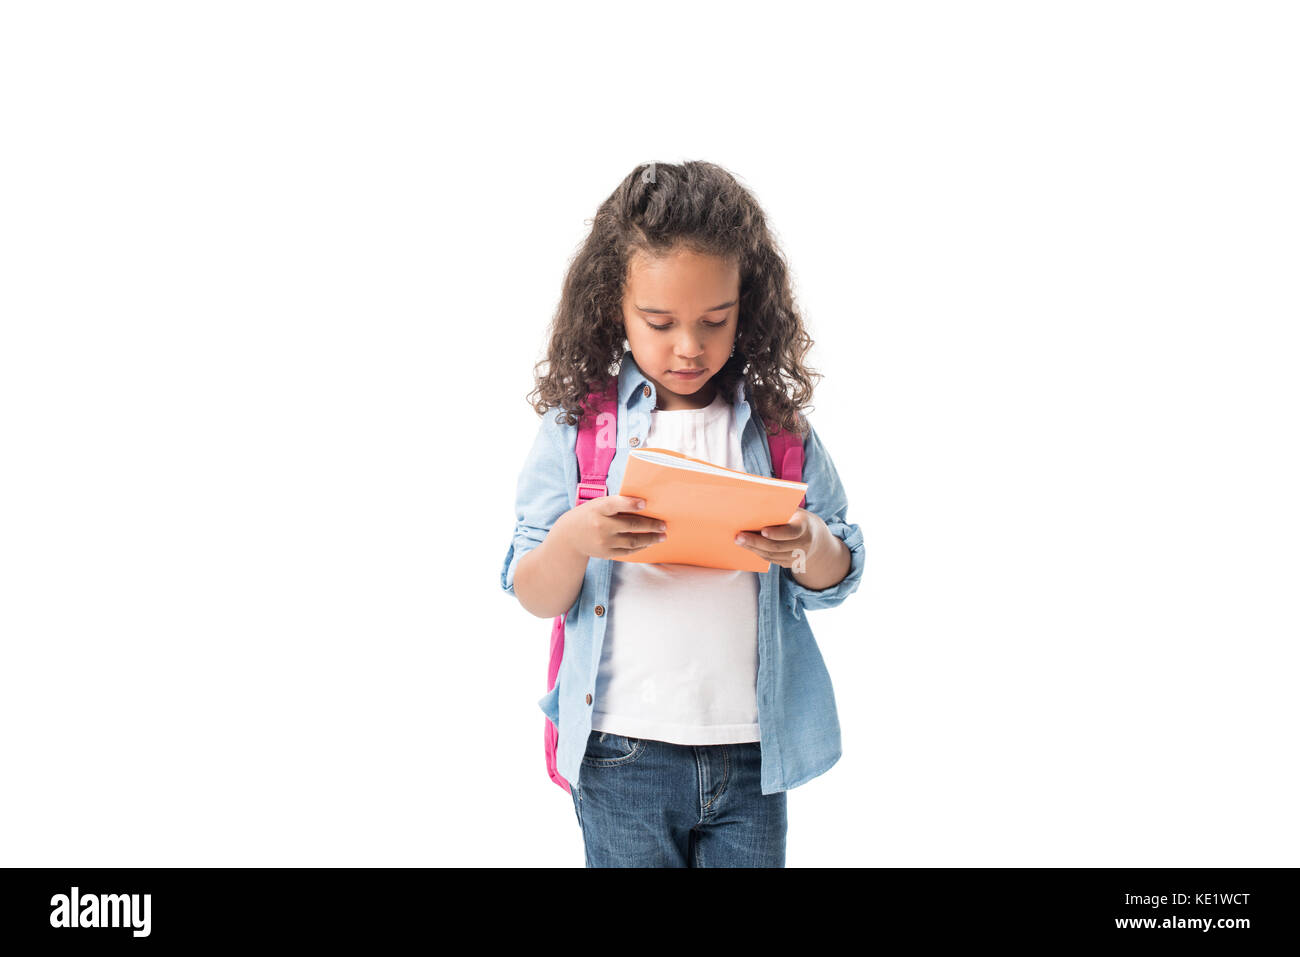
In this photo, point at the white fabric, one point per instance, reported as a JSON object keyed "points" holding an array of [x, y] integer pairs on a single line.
{"points": [[680, 659]]}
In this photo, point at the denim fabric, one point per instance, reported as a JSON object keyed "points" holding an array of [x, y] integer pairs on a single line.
{"points": [[798, 724], [647, 803]]}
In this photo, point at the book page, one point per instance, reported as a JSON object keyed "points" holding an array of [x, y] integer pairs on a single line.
{"points": [[673, 462]]}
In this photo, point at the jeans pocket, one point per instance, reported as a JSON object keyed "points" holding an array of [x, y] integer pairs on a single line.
{"points": [[605, 749]]}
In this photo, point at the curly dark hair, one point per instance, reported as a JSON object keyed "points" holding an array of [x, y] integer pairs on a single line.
{"points": [[656, 210]]}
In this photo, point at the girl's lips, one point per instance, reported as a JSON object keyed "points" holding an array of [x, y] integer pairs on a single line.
{"points": [[688, 375]]}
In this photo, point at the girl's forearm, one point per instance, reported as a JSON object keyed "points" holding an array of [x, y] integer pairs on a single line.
{"points": [[548, 579], [827, 564]]}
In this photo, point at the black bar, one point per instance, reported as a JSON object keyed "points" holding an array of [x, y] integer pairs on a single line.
{"points": [[387, 905]]}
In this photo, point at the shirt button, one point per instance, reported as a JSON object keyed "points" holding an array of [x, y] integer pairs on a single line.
{"points": [[646, 392], [588, 699], [635, 442], [600, 610]]}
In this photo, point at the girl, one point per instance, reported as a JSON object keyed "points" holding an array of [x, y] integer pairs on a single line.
{"points": [[689, 699]]}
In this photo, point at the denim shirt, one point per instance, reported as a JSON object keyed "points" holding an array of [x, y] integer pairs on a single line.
{"points": [[799, 729]]}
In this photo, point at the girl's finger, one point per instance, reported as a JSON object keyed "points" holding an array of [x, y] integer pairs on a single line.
{"points": [[758, 549]]}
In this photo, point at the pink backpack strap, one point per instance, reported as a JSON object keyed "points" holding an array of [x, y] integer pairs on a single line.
{"points": [[593, 462], [787, 458], [593, 475]]}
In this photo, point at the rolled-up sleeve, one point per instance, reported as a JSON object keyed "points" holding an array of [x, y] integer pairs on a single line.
{"points": [[826, 497], [546, 490]]}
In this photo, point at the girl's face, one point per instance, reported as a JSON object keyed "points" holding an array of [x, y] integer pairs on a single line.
{"points": [[681, 312]]}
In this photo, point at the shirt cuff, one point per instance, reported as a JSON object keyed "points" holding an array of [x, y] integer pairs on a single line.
{"points": [[798, 598], [513, 556]]}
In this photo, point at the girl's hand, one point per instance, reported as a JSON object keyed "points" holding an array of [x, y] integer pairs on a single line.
{"points": [[788, 545], [609, 527]]}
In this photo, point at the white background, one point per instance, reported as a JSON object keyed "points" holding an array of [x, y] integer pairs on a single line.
{"points": [[273, 278]]}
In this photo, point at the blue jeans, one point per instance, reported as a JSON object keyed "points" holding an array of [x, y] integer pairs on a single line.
{"points": [[643, 803]]}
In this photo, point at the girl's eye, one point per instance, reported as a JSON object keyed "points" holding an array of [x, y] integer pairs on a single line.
{"points": [[711, 325]]}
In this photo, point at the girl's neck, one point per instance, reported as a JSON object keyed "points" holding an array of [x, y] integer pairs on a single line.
{"points": [[704, 398]]}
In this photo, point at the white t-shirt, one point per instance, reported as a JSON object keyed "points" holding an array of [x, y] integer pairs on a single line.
{"points": [[680, 659]]}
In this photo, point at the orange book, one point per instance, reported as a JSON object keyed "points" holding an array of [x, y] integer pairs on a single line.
{"points": [[705, 506]]}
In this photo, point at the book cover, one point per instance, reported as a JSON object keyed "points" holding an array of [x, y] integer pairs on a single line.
{"points": [[705, 506]]}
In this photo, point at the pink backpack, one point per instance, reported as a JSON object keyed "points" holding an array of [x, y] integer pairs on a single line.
{"points": [[593, 470]]}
